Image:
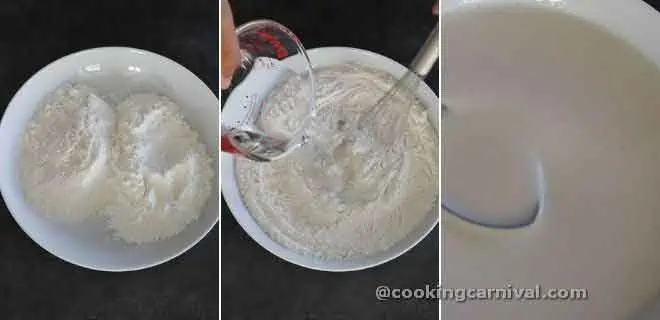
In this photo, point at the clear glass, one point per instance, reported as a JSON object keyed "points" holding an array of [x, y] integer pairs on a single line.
{"points": [[271, 57]]}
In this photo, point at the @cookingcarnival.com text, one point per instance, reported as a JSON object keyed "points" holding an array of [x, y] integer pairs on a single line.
{"points": [[506, 293]]}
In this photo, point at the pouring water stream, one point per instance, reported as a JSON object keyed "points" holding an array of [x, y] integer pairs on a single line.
{"points": [[355, 170]]}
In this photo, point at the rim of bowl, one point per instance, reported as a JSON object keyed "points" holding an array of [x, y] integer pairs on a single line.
{"points": [[629, 20], [12, 105], [271, 244]]}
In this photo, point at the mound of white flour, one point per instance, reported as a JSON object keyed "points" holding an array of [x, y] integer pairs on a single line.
{"points": [[139, 163], [297, 211], [163, 172], [65, 156]]}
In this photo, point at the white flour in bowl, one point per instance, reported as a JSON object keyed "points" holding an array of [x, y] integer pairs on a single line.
{"points": [[300, 213], [139, 164], [164, 175], [65, 155]]}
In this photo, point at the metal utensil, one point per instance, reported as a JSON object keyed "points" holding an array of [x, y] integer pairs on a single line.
{"points": [[369, 175], [406, 86]]}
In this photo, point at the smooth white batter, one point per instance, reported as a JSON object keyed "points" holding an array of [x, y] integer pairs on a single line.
{"points": [[304, 214], [589, 104]]}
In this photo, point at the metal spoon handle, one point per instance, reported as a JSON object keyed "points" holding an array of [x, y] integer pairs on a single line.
{"points": [[427, 55], [408, 84], [419, 68]]}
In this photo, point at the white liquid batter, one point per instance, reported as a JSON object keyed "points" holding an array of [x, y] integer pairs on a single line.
{"points": [[589, 103], [302, 213]]}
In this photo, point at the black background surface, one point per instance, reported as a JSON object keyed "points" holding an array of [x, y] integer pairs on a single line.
{"points": [[33, 283], [257, 284]]}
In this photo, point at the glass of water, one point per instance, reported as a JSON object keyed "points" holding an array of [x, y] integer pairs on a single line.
{"points": [[274, 67]]}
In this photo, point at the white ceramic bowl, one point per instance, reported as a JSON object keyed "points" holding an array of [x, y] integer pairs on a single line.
{"points": [[121, 70], [325, 57]]}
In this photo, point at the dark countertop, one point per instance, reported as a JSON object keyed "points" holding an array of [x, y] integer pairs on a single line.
{"points": [[257, 284], [33, 283]]}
